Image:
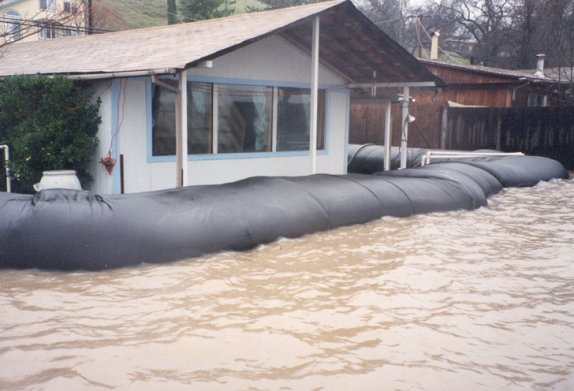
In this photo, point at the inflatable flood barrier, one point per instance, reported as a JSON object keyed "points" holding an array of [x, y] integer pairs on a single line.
{"points": [[75, 230]]}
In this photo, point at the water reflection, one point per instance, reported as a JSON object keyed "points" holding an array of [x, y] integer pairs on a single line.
{"points": [[475, 300]]}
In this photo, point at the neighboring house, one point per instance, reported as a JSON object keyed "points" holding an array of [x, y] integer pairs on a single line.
{"points": [[224, 99], [465, 85], [476, 85], [32, 20]]}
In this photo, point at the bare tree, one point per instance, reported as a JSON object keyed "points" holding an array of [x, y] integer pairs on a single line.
{"points": [[390, 15], [507, 33], [487, 22]]}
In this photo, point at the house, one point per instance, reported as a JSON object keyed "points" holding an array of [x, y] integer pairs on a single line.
{"points": [[465, 86], [215, 101], [32, 20], [476, 85]]}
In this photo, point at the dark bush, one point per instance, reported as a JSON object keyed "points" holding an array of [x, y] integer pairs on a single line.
{"points": [[49, 123]]}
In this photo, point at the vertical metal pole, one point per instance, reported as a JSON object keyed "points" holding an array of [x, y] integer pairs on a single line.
{"points": [[90, 18], [314, 94], [6, 160], [405, 127], [122, 186], [388, 136], [178, 141], [184, 152]]}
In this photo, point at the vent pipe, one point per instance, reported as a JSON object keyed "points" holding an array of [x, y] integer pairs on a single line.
{"points": [[539, 66], [434, 45]]}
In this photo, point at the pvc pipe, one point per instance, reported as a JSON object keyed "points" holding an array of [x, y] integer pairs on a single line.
{"points": [[426, 159]]}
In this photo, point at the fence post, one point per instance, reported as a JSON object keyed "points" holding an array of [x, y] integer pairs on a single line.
{"points": [[498, 132]]}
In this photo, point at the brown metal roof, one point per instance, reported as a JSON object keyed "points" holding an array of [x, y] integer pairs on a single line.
{"points": [[350, 43], [551, 74]]}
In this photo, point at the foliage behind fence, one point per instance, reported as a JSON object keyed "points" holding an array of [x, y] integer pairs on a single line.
{"points": [[542, 131]]}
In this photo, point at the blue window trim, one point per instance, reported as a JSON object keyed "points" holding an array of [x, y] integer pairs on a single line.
{"points": [[249, 155]]}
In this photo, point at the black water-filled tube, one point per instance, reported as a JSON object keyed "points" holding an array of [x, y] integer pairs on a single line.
{"points": [[76, 230]]}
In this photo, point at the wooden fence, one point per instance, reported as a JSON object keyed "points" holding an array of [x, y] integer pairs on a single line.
{"points": [[542, 131]]}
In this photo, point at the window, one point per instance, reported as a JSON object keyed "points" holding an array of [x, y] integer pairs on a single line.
{"points": [[244, 118], [48, 31], [535, 100], [12, 25], [48, 5], [199, 113], [293, 116], [71, 8], [231, 118], [163, 134], [68, 31]]}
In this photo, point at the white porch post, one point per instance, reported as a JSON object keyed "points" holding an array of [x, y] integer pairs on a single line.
{"points": [[178, 151], [405, 127], [314, 95], [180, 92], [183, 92], [181, 130], [388, 134]]}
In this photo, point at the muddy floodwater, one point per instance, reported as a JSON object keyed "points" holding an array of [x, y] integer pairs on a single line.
{"points": [[469, 300]]}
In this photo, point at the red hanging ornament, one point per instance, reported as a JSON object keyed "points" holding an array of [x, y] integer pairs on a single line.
{"points": [[108, 163]]}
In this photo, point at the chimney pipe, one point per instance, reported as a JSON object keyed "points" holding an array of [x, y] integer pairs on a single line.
{"points": [[539, 66], [434, 45]]}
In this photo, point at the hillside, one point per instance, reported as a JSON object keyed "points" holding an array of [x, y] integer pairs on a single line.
{"points": [[114, 15]]}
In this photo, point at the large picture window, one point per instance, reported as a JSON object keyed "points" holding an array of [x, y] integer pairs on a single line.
{"points": [[163, 127], [199, 112], [293, 118], [232, 118], [199, 118], [244, 118]]}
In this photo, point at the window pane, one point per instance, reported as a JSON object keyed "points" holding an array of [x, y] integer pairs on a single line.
{"points": [[163, 125], [293, 115], [244, 118], [199, 109], [12, 27]]}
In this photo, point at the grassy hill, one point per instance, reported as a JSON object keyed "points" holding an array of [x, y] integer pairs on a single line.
{"points": [[114, 15]]}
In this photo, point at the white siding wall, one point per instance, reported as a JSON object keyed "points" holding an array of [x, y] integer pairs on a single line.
{"points": [[102, 182], [272, 61]]}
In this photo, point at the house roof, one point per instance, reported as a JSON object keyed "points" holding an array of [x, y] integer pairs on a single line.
{"points": [[518, 75], [563, 74], [350, 43]]}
